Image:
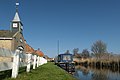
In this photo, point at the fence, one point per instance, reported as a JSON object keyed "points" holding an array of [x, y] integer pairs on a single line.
{"points": [[14, 60]]}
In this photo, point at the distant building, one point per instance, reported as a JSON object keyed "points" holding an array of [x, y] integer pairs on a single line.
{"points": [[13, 39]]}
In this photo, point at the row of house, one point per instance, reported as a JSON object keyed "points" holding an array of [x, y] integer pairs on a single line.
{"points": [[13, 39]]}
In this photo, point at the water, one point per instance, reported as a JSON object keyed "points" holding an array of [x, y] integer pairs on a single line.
{"points": [[87, 73]]}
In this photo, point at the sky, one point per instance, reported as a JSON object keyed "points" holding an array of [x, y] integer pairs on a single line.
{"points": [[75, 23]]}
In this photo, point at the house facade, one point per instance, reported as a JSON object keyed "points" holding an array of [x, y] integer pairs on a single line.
{"points": [[13, 39]]}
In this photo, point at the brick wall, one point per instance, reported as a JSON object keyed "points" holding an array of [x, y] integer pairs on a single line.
{"points": [[6, 44], [6, 59]]}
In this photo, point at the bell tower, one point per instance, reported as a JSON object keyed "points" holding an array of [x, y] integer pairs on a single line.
{"points": [[16, 24]]}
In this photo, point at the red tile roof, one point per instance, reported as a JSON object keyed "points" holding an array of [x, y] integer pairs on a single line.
{"points": [[39, 53], [29, 49]]}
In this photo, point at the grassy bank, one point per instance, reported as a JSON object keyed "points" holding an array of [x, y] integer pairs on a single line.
{"points": [[48, 71]]}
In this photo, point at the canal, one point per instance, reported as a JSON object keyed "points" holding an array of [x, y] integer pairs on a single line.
{"points": [[90, 73]]}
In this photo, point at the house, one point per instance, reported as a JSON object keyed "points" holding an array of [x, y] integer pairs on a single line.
{"points": [[29, 49], [13, 39], [39, 53]]}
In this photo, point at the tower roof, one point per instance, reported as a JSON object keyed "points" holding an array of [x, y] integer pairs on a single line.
{"points": [[16, 17]]}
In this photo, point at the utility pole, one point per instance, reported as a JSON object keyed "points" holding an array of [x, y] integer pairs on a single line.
{"points": [[58, 46]]}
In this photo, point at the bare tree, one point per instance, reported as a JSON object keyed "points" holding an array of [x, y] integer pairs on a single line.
{"points": [[99, 48], [75, 51], [85, 53], [67, 52]]}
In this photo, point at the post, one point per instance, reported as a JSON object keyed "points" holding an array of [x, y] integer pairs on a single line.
{"points": [[34, 63], [58, 47], [28, 62], [15, 64], [38, 61]]}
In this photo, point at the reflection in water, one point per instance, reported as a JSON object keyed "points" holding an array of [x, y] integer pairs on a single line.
{"points": [[87, 73], [99, 75]]}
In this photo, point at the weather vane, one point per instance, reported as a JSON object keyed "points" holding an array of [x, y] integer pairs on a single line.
{"points": [[17, 4]]}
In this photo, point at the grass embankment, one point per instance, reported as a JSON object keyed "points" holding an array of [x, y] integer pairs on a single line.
{"points": [[48, 71]]}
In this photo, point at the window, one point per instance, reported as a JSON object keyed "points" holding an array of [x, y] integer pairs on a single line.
{"points": [[21, 40], [66, 57]]}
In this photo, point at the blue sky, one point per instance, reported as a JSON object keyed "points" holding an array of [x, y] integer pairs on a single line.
{"points": [[75, 23]]}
